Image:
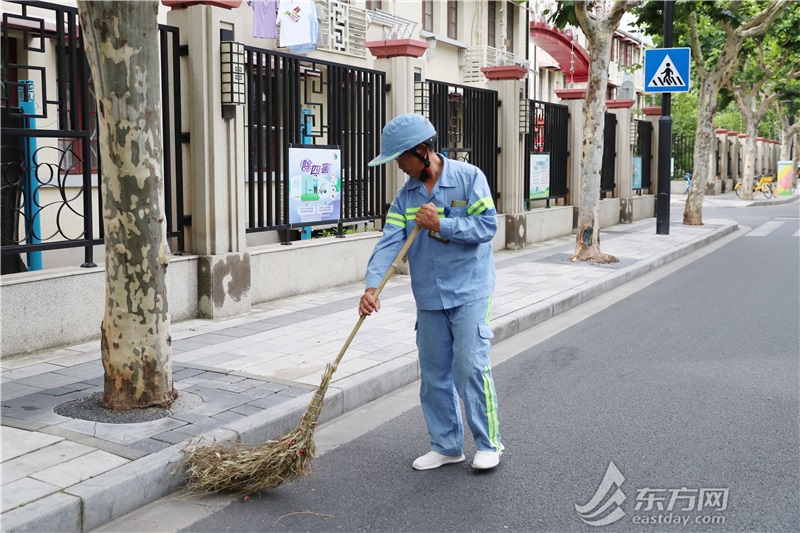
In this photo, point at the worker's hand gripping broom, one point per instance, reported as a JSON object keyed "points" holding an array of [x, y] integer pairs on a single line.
{"points": [[249, 469]]}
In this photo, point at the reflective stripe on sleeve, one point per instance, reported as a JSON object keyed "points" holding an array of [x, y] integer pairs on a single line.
{"points": [[480, 206], [396, 219]]}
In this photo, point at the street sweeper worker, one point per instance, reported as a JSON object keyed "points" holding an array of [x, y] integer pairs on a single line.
{"points": [[452, 278]]}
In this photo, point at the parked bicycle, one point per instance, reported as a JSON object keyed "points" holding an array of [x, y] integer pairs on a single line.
{"points": [[763, 185]]}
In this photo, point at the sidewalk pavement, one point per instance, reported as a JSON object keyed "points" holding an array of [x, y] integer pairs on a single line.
{"points": [[730, 199], [253, 376]]}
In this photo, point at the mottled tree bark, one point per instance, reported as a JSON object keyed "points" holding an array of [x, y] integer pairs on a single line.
{"points": [[754, 99], [711, 81], [598, 26], [121, 40], [790, 136]]}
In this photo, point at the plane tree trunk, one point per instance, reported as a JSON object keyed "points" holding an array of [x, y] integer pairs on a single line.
{"points": [[122, 49], [712, 79], [599, 27]]}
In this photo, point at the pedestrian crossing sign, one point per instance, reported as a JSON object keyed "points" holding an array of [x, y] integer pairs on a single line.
{"points": [[666, 70]]}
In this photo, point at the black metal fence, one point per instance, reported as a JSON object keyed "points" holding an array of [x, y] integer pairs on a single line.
{"points": [[294, 100], [730, 169], [465, 119], [683, 156], [548, 132], [607, 178], [643, 148], [49, 185]]}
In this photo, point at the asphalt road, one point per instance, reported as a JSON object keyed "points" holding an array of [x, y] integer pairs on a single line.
{"points": [[688, 382]]}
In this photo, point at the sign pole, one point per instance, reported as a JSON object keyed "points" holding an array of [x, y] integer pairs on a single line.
{"points": [[665, 138]]}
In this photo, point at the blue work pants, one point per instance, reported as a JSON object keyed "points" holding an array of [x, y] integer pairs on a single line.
{"points": [[454, 362]]}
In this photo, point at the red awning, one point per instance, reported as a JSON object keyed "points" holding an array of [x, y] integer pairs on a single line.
{"points": [[560, 47]]}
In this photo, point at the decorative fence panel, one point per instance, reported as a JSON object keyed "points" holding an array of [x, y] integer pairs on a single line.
{"points": [[682, 155], [298, 100], [547, 133], [49, 186], [644, 148], [465, 119], [607, 179]]}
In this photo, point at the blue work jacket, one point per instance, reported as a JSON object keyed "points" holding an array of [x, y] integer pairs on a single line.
{"points": [[443, 275]]}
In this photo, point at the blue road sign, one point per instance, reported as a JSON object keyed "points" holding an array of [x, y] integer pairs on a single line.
{"points": [[666, 70]]}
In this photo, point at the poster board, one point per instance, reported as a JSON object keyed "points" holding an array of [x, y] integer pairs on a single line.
{"points": [[785, 170], [539, 176], [637, 172], [315, 184]]}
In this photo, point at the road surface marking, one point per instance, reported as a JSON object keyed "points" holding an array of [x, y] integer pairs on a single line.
{"points": [[765, 229]]}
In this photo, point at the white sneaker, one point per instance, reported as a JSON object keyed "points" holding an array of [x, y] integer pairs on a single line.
{"points": [[434, 460], [485, 459]]}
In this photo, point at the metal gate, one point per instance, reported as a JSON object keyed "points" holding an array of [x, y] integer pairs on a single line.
{"points": [[728, 151], [297, 100], [607, 178], [644, 148], [49, 172], [465, 119], [547, 133], [683, 155]]}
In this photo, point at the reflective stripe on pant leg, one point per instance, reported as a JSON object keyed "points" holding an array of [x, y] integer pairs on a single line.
{"points": [[472, 371], [491, 408], [438, 396]]}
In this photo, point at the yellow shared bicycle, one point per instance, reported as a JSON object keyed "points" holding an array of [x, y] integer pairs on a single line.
{"points": [[763, 185]]}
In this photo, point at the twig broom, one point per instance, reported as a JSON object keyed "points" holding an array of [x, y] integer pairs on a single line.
{"points": [[249, 469]]}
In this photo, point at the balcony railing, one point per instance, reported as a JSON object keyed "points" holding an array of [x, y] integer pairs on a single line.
{"points": [[477, 57], [342, 29]]}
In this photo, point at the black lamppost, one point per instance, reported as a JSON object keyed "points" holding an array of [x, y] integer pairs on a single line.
{"points": [[664, 139]]}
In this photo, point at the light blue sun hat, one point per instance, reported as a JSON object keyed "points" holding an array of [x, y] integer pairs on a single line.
{"points": [[402, 133]]}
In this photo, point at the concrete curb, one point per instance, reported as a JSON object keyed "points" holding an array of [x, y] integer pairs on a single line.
{"points": [[96, 501], [779, 201]]}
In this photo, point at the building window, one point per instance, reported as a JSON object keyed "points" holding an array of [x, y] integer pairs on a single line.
{"points": [[510, 26], [374, 4], [614, 42], [452, 19], [427, 15], [492, 24]]}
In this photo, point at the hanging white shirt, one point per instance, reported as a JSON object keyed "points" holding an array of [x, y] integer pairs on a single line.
{"points": [[295, 20]]}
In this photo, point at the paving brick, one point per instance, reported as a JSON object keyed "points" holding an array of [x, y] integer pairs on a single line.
{"points": [[30, 370], [258, 326], [24, 491], [232, 378], [41, 459], [49, 380], [13, 390], [57, 512], [239, 386], [61, 391], [229, 416], [81, 468], [246, 410], [83, 370], [150, 445], [18, 442], [189, 417], [186, 345], [172, 437], [267, 402], [186, 373], [203, 426]]}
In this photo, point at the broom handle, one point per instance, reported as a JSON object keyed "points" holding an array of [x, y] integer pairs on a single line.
{"points": [[397, 260]]}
